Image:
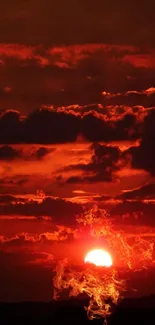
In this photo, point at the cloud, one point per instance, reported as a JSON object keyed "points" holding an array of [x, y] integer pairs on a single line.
{"points": [[6, 199], [143, 156], [145, 192], [42, 258], [60, 56], [9, 153], [40, 153], [134, 212], [45, 126], [71, 56], [148, 92], [25, 258], [10, 127], [58, 209], [73, 74], [62, 233], [97, 127], [22, 52], [142, 60], [42, 126], [145, 97], [105, 161]]}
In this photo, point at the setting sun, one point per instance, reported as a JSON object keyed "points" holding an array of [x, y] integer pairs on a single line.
{"points": [[99, 257]]}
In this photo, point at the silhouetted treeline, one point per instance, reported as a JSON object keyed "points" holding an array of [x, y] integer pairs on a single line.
{"points": [[131, 311]]}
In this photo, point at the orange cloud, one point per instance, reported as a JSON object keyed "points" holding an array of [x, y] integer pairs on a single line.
{"points": [[140, 60], [61, 233], [70, 56], [148, 92], [41, 258], [22, 52]]}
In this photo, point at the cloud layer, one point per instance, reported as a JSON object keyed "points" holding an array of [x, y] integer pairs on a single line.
{"points": [[46, 126], [79, 74], [77, 128]]}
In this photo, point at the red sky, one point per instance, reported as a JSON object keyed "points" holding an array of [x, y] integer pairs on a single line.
{"points": [[77, 128]]}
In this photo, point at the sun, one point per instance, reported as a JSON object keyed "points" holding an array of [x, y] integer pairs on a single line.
{"points": [[99, 257]]}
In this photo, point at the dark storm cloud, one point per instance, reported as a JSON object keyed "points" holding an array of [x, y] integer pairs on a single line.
{"points": [[96, 127], [10, 127], [45, 126], [61, 125], [40, 153], [9, 153], [104, 162], [42, 126], [6, 199], [58, 209], [133, 212], [24, 184], [62, 22], [143, 157], [144, 192]]}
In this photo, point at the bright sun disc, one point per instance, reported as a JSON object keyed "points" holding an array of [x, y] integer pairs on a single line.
{"points": [[99, 257]]}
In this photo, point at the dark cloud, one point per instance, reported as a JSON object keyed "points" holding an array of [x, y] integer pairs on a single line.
{"points": [[62, 125], [58, 209], [10, 199], [143, 156], [25, 183], [45, 126], [9, 153], [10, 127], [133, 212], [97, 127], [144, 192], [41, 152], [105, 161], [42, 126]]}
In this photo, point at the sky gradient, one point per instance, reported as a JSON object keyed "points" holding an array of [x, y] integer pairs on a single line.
{"points": [[77, 129]]}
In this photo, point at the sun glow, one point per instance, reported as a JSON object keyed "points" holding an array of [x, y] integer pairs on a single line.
{"points": [[99, 257], [103, 287]]}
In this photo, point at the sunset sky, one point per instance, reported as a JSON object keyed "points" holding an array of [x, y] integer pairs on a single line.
{"points": [[77, 129]]}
